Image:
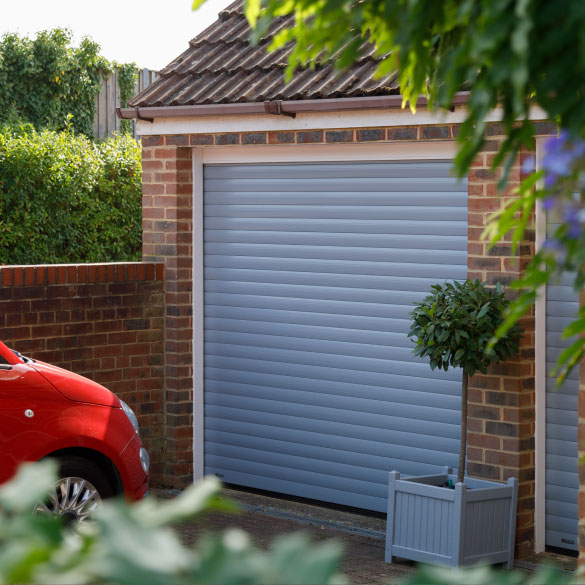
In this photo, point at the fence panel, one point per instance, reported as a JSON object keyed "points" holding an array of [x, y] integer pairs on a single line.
{"points": [[106, 121]]}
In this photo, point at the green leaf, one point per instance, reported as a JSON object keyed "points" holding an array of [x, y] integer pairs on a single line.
{"points": [[483, 311], [30, 485], [203, 495], [252, 11]]}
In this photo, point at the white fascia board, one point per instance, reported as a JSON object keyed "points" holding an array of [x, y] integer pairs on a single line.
{"points": [[309, 121]]}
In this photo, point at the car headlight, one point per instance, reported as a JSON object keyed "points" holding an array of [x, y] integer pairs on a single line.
{"points": [[144, 459], [130, 414]]}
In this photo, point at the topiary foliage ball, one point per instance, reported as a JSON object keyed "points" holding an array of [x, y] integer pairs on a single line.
{"points": [[453, 326]]}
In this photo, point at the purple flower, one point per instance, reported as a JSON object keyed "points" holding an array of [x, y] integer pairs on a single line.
{"points": [[571, 215], [549, 203], [561, 153], [559, 163], [553, 245], [550, 180], [529, 165]]}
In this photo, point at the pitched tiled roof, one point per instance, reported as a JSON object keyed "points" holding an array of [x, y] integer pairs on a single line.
{"points": [[221, 67]]}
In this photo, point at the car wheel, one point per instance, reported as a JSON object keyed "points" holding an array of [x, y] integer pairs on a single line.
{"points": [[79, 491]]}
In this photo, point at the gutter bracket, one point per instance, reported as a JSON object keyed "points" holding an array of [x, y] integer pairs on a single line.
{"points": [[275, 108], [140, 117]]}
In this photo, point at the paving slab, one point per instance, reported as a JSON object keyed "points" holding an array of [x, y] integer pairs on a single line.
{"points": [[363, 536], [265, 517]]}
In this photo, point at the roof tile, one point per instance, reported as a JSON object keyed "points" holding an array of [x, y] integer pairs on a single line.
{"points": [[221, 66]]}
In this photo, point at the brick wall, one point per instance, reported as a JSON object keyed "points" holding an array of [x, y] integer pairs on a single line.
{"points": [[104, 321], [157, 147], [167, 237], [501, 422], [501, 403]]}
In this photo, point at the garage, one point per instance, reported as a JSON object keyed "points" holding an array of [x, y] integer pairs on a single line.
{"points": [[329, 210], [310, 271]]}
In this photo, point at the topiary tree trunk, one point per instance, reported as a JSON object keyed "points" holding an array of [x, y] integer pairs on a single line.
{"points": [[463, 440], [454, 327]]}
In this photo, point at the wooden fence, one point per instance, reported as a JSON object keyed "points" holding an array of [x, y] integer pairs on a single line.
{"points": [[106, 121]]}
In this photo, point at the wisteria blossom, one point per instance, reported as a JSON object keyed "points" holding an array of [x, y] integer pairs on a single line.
{"points": [[564, 164]]}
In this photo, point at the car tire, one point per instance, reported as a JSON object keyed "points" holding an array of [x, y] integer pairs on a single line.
{"points": [[80, 490]]}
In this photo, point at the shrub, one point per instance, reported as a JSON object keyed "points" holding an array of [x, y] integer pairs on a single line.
{"points": [[64, 198], [130, 545]]}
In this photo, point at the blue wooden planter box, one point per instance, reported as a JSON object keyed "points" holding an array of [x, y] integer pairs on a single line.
{"points": [[475, 522]]}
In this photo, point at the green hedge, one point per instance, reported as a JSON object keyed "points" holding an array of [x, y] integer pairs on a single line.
{"points": [[49, 83], [64, 198]]}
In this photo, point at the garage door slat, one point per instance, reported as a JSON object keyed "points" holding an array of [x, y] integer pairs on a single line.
{"points": [[365, 309], [321, 266], [561, 401], [561, 539], [339, 226], [305, 344], [312, 198], [333, 253], [381, 240], [334, 184], [231, 326], [378, 212], [563, 509], [361, 322], [314, 292], [367, 281], [406, 169], [559, 432]]}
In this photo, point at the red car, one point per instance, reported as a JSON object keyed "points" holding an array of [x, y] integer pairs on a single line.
{"points": [[46, 411]]}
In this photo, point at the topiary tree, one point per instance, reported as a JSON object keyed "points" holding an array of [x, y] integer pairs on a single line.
{"points": [[453, 326]]}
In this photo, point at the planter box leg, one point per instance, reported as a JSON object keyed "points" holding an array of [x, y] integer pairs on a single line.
{"points": [[458, 537], [512, 529], [394, 475]]}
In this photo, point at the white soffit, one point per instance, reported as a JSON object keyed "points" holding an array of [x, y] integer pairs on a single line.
{"points": [[309, 121]]}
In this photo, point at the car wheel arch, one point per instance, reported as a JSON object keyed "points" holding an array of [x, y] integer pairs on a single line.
{"points": [[107, 466]]}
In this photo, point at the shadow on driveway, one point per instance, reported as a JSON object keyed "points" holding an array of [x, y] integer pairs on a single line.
{"points": [[265, 517]]}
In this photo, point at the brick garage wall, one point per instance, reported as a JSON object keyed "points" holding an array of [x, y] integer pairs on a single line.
{"points": [[167, 237], [501, 424], [501, 430], [103, 321]]}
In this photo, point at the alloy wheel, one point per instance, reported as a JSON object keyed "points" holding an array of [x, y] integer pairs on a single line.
{"points": [[72, 498]]}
